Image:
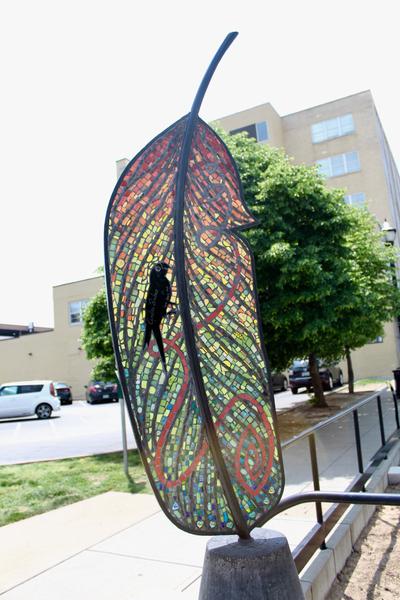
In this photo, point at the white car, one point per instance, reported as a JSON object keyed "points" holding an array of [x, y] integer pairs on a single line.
{"points": [[25, 398]]}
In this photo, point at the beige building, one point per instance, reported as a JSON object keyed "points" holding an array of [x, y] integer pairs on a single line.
{"points": [[345, 137], [54, 354]]}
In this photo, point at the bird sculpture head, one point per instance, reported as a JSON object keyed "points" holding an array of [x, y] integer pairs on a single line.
{"points": [[159, 271]]}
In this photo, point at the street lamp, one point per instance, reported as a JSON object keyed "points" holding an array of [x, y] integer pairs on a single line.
{"points": [[389, 235], [389, 232]]}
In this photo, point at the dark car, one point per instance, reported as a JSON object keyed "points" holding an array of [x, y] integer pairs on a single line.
{"points": [[100, 391], [279, 382], [299, 375], [63, 392]]}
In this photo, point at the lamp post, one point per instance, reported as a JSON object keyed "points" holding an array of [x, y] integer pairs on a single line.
{"points": [[389, 235], [389, 232]]}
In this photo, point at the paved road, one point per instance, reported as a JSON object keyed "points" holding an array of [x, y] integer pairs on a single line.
{"points": [[79, 429]]}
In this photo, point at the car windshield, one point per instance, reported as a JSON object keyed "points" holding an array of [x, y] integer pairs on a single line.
{"points": [[299, 363]]}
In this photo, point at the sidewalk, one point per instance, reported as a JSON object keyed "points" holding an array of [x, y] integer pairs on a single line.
{"points": [[122, 546], [113, 545]]}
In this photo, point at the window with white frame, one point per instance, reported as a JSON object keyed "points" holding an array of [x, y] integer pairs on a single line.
{"points": [[340, 164], [332, 128], [76, 310], [357, 199]]}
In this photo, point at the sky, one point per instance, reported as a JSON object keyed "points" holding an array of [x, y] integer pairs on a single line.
{"points": [[85, 83]]}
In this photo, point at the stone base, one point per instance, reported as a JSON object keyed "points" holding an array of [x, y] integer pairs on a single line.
{"points": [[261, 568]]}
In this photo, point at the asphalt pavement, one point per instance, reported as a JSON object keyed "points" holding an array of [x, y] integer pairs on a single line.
{"points": [[79, 429]]}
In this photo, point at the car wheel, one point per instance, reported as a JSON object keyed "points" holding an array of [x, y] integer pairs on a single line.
{"points": [[329, 385], [340, 380], [294, 390], [43, 411], [285, 385]]}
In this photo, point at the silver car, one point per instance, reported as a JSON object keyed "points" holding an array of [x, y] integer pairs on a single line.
{"points": [[26, 398]]}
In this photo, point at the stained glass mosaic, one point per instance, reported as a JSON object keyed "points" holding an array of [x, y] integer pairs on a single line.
{"points": [[160, 391]]}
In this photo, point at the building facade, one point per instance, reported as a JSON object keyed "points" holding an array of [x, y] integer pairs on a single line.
{"points": [[346, 139], [57, 354]]}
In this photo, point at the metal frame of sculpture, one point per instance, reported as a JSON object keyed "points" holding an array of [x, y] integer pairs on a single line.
{"points": [[201, 405], [195, 378]]}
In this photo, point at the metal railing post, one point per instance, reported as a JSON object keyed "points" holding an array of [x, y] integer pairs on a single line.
{"points": [[315, 475], [358, 441], [396, 407], [379, 402], [355, 491]]}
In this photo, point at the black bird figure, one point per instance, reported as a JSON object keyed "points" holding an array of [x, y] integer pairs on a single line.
{"points": [[158, 299]]}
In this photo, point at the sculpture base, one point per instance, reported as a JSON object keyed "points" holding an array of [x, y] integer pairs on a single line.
{"points": [[261, 568]]}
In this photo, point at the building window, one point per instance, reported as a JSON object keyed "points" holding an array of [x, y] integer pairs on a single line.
{"points": [[262, 131], [327, 130], [76, 310], [355, 199], [341, 164], [258, 131]]}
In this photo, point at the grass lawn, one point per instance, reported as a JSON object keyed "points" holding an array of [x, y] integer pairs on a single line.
{"points": [[373, 380], [30, 489]]}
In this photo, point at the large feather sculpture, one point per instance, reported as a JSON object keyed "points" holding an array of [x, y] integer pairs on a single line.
{"points": [[201, 405]]}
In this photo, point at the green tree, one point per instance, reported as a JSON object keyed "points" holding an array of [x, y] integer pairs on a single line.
{"points": [[322, 270], [375, 295], [301, 258], [300, 253], [96, 337]]}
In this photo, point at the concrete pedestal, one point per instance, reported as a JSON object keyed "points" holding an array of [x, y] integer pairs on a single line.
{"points": [[258, 569]]}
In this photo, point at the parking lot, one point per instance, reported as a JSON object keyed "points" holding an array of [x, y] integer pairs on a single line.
{"points": [[77, 430]]}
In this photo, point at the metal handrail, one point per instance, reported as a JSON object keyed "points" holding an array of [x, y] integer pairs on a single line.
{"points": [[354, 493], [330, 420]]}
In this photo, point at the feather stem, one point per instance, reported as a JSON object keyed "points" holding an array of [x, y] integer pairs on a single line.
{"points": [[194, 360]]}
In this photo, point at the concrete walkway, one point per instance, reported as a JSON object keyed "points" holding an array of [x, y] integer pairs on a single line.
{"points": [[122, 546]]}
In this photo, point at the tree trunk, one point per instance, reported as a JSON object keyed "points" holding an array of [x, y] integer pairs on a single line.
{"points": [[350, 370], [316, 382]]}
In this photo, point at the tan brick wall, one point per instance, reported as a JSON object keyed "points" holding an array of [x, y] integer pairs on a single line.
{"points": [[371, 178], [56, 355], [293, 133], [264, 112]]}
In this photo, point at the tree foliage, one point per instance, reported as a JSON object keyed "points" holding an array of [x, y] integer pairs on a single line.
{"points": [[375, 296], [96, 337], [323, 274], [322, 270]]}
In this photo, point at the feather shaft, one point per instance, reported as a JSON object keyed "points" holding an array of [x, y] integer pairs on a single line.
{"points": [[184, 297]]}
